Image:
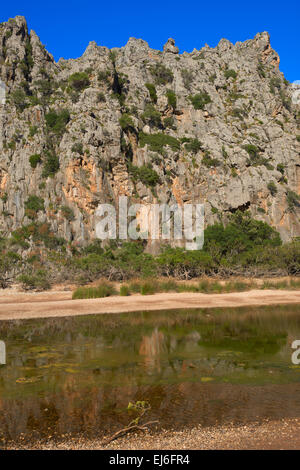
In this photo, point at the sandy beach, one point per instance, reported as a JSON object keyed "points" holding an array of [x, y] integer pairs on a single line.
{"points": [[16, 305]]}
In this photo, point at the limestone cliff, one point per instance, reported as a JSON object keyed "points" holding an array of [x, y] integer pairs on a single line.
{"points": [[217, 125]]}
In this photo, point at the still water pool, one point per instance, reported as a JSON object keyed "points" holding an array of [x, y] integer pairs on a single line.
{"points": [[77, 375]]}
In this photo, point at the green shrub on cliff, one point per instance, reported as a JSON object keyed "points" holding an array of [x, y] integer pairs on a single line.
{"points": [[229, 73], [293, 200], [56, 121], [200, 100], [79, 81], [126, 122], [152, 91], [272, 188], [193, 145], [172, 100], [162, 75], [34, 160], [19, 99], [33, 205], [145, 174], [151, 116], [51, 164], [158, 141]]}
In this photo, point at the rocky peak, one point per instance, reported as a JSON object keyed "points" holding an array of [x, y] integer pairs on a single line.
{"points": [[92, 50], [135, 49], [170, 47], [262, 40], [224, 45]]}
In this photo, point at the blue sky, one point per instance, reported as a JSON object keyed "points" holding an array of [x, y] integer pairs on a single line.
{"points": [[66, 27]]}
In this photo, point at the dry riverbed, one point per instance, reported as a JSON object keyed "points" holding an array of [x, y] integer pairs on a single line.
{"points": [[283, 434], [18, 305]]}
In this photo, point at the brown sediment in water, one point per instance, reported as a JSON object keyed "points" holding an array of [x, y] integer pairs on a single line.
{"points": [[282, 434], [59, 304]]}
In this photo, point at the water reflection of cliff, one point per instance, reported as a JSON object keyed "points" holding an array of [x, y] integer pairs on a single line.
{"points": [[151, 348], [154, 347]]}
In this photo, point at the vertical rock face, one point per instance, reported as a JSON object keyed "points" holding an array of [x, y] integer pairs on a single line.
{"points": [[217, 126]]}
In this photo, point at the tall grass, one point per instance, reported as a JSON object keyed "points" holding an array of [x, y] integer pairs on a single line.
{"points": [[104, 289], [153, 286], [124, 290], [275, 285], [295, 284], [148, 288]]}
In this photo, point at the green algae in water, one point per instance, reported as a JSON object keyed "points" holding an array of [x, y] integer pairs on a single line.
{"points": [[139, 346]]}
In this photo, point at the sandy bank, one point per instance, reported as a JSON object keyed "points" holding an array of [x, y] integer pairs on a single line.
{"points": [[59, 304], [283, 434]]}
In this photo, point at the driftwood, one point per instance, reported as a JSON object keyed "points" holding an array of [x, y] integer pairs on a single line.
{"points": [[127, 430], [132, 426]]}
